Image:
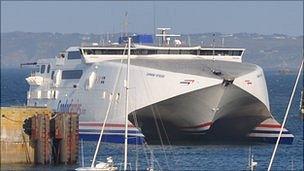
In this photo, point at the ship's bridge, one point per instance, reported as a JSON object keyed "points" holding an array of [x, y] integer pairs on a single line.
{"points": [[93, 54]]}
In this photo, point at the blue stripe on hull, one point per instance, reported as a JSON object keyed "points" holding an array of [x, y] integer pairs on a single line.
{"points": [[112, 138], [269, 132], [110, 131], [272, 140]]}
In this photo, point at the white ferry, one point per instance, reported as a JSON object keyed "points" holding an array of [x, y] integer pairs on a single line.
{"points": [[177, 94]]}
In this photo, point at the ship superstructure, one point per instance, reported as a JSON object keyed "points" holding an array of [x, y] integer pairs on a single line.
{"points": [[177, 93]]}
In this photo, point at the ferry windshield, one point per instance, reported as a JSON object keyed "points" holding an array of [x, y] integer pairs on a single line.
{"points": [[74, 55], [163, 51]]}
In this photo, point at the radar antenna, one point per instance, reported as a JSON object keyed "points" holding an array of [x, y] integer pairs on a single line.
{"points": [[165, 41]]}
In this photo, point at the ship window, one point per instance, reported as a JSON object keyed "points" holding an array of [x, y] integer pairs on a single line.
{"points": [[206, 52], [184, 52], [230, 53], [174, 51], [115, 52], [151, 52], [105, 51], [52, 75], [88, 51], [193, 52], [42, 69], [142, 51], [222, 52], [74, 55], [237, 53], [189, 52], [71, 74], [162, 51], [48, 68], [133, 52]]}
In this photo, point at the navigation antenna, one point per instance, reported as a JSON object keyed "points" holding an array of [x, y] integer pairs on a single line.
{"points": [[125, 24], [165, 38], [213, 44], [154, 20]]}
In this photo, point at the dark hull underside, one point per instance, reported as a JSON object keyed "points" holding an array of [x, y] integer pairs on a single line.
{"points": [[217, 113]]}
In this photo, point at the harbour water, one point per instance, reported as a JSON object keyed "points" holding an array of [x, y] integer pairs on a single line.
{"points": [[199, 157]]}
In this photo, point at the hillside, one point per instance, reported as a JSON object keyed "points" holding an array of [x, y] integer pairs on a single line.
{"points": [[272, 52]]}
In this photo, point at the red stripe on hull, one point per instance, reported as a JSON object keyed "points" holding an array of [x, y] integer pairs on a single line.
{"points": [[269, 126]]}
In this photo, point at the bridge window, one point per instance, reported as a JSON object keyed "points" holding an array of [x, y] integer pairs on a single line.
{"points": [[52, 75], [74, 55], [142, 51], [106, 51], [48, 68], [173, 51], [42, 69], [221, 52], [206, 52], [189, 52], [152, 52], [237, 53], [71, 74], [162, 51]]}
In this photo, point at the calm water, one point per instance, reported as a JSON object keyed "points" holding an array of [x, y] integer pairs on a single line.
{"points": [[202, 157]]}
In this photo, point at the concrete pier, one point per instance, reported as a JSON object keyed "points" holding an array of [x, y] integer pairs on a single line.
{"points": [[16, 146], [36, 135]]}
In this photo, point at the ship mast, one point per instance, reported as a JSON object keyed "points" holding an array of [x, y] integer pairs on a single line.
{"points": [[165, 38], [125, 25], [127, 106]]}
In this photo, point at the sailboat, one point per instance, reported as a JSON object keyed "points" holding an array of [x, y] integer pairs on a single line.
{"points": [[251, 163], [109, 165]]}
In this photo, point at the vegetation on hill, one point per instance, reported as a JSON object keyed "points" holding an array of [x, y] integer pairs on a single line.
{"points": [[272, 52]]}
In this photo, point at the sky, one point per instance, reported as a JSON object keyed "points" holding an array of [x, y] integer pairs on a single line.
{"points": [[183, 17]]}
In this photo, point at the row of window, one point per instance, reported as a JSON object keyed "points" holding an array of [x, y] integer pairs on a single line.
{"points": [[162, 51], [221, 52], [43, 67], [71, 74], [67, 74]]}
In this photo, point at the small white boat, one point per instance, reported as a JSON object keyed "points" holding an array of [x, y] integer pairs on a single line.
{"points": [[100, 166], [251, 163]]}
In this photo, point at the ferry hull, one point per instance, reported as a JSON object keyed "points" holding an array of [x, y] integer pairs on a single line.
{"points": [[192, 118]]}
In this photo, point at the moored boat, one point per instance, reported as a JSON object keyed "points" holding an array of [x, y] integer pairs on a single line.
{"points": [[177, 92]]}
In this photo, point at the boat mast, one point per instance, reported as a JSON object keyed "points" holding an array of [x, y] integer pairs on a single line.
{"points": [[82, 155], [106, 118], [213, 45], [125, 25], [127, 105], [285, 117]]}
